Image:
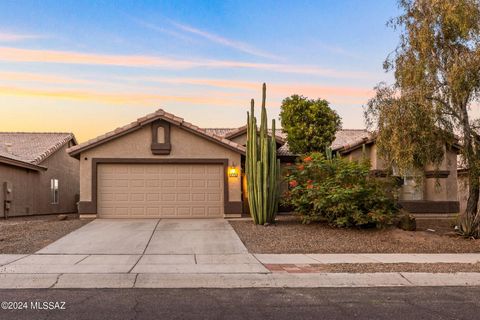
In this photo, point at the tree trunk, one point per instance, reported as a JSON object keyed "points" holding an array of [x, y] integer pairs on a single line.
{"points": [[473, 195], [470, 161]]}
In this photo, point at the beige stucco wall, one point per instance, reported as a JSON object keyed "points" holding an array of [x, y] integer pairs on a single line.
{"points": [[136, 144], [31, 189], [359, 154], [442, 189], [242, 139], [23, 192], [434, 189], [66, 169]]}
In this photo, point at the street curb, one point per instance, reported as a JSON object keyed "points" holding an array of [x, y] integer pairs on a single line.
{"points": [[272, 280]]}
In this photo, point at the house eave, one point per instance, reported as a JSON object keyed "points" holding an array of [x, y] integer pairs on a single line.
{"points": [[179, 122], [21, 164]]}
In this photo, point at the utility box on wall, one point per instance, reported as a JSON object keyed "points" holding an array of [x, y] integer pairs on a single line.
{"points": [[7, 197]]}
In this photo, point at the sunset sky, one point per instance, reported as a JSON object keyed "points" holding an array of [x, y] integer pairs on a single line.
{"points": [[88, 67]]}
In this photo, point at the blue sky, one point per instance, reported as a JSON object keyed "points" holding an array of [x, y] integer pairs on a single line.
{"points": [[91, 66]]}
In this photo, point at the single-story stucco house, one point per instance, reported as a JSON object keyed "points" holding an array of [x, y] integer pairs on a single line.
{"points": [[37, 176], [162, 166]]}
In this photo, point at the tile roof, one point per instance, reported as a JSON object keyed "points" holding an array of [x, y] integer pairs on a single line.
{"points": [[344, 139], [222, 132], [32, 147], [230, 133], [159, 114]]}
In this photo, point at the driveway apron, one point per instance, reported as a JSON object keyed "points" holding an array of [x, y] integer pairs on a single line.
{"points": [[151, 246]]}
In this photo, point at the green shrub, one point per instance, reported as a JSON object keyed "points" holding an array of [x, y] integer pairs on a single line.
{"points": [[339, 191], [310, 124]]}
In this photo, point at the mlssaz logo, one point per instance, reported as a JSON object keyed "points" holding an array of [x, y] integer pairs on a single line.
{"points": [[47, 305]]}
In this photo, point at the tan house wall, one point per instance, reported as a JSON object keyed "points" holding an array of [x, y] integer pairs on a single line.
{"points": [[136, 144], [359, 154], [23, 191], [31, 189], [242, 139], [66, 169], [443, 189], [434, 189]]}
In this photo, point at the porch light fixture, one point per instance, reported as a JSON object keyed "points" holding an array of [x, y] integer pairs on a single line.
{"points": [[233, 171]]}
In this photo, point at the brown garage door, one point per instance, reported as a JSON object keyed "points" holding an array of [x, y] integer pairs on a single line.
{"points": [[160, 190]]}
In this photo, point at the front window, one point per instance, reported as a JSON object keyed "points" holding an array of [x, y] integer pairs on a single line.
{"points": [[54, 190], [412, 188]]}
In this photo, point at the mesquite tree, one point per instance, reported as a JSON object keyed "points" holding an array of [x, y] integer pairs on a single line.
{"points": [[435, 93], [262, 167]]}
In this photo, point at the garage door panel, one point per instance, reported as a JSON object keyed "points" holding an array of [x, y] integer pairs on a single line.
{"points": [[152, 183], [138, 211], [184, 197], [137, 197], [160, 190], [152, 197], [153, 211]]}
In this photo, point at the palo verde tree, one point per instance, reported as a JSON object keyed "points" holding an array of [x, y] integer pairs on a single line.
{"points": [[437, 84], [310, 124]]}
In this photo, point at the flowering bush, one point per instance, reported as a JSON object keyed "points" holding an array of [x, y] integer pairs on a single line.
{"points": [[339, 191]]}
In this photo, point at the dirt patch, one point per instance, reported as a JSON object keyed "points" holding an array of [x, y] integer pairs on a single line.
{"points": [[25, 235], [288, 235], [376, 267]]}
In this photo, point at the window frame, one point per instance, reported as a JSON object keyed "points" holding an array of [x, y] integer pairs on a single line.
{"points": [[54, 191]]}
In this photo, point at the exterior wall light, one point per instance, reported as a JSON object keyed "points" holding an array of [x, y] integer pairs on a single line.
{"points": [[233, 171]]}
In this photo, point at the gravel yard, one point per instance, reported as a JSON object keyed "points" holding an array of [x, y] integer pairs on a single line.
{"points": [[288, 235], [25, 235], [377, 267]]}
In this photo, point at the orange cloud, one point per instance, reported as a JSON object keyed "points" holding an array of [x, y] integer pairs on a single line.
{"points": [[317, 91], [276, 91], [38, 77], [69, 57], [140, 99], [281, 90]]}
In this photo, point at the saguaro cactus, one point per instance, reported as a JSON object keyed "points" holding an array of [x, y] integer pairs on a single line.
{"points": [[262, 167]]}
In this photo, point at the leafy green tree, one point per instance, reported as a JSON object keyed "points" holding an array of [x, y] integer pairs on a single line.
{"points": [[437, 85], [310, 124]]}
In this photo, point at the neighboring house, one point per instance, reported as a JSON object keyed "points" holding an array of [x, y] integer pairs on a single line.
{"points": [[37, 176], [161, 166]]}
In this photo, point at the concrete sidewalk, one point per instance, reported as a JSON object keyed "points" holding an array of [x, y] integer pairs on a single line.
{"points": [[128, 263], [215, 271]]}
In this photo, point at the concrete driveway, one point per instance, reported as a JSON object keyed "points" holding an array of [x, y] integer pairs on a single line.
{"points": [[142, 246], [150, 236]]}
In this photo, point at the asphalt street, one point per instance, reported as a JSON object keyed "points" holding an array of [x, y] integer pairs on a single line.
{"points": [[276, 303]]}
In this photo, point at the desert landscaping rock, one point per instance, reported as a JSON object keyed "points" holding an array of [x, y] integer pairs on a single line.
{"points": [[288, 235], [375, 267], [27, 235]]}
